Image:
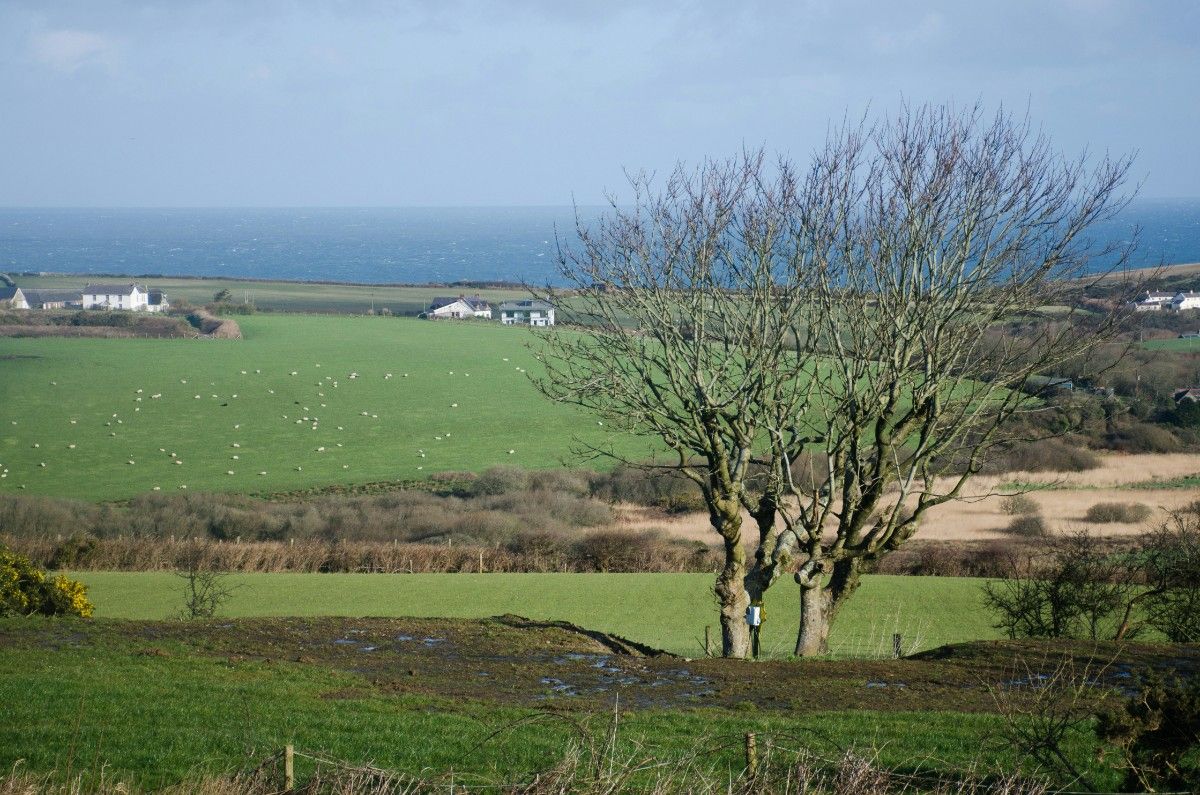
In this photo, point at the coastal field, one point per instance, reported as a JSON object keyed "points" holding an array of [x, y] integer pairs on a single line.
{"points": [[302, 401], [281, 296]]}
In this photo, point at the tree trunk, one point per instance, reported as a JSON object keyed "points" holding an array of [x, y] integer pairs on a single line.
{"points": [[813, 638], [733, 599]]}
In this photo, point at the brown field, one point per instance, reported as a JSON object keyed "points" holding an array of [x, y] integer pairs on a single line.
{"points": [[979, 516]]}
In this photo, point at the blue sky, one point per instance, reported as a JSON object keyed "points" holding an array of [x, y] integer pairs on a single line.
{"points": [[437, 102]]}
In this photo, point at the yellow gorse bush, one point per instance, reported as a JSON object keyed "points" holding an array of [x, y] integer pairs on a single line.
{"points": [[25, 590]]}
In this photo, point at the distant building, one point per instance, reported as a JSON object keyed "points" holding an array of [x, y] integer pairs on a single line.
{"points": [[54, 299], [463, 307], [156, 301], [531, 312], [1185, 301], [131, 297], [12, 297], [1187, 395], [1152, 302]]}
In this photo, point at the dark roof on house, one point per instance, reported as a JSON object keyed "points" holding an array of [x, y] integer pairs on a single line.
{"points": [[108, 288], [529, 303], [52, 296], [474, 301], [7, 293], [1188, 393], [156, 297]]}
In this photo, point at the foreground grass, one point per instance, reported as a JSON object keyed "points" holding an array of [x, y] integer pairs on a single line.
{"points": [[85, 408], [156, 719], [667, 611]]}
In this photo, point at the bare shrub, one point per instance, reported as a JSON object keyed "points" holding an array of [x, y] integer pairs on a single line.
{"points": [[1019, 505], [1032, 526], [1142, 437], [1044, 455], [501, 480], [205, 589], [1107, 512]]}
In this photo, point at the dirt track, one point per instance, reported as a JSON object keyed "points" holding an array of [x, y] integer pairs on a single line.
{"points": [[979, 517]]}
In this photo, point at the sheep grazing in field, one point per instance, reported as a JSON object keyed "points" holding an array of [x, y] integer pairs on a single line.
{"points": [[183, 380], [156, 488], [258, 371], [293, 372], [453, 405], [406, 375], [42, 465], [506, 358], [243, 372], [72, 422], [178, 461], [183, 485], [299, 469], [197, 397], [235, 427], [131, 462], [114, 433], [70, 447], [139, 392], [263, 472], [320, 449], [156, 396], [340, 428], [228, 471], [345, 466], [55, 383], [234, 457], [510, 452], [36, 445], [235, 444], [270, 391]]}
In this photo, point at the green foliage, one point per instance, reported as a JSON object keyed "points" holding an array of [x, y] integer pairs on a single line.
{"points": [[1156, 733], [26, 590]]}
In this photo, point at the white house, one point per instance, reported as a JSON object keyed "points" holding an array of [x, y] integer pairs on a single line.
{"points": [[1188, 300], [132, 297], [1152, 302], [530, 312], [459, 308], [54, 299], [12, 297], [156, 301]]}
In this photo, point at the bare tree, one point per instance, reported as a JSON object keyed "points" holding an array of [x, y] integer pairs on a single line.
{"points": [[686, 305], [859, 315], [946, 229]]}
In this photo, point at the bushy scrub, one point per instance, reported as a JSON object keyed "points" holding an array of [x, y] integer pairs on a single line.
{"points": [[26, 590], [1127, 512], [1019, 505]]}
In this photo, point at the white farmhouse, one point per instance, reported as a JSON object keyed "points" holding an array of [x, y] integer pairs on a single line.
{"points": [[1183, 301], [530, 312], [459, 308], [11, 297], [132, 297], [1152, 302]]}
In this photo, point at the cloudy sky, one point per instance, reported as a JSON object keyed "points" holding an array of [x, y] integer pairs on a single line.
{"points": [[440, 102]]}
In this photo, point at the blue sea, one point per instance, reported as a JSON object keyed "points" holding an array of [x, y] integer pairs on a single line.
{"points": [[388, 245]]}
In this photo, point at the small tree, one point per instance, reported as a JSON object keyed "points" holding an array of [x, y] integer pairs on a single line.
{"points": [[877, 313], [205, 589], [222, 295]]}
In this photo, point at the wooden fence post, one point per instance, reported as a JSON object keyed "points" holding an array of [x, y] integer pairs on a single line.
{"points": [[707, 641], [896, 646], [289, 767], [751, 755], [481, 561]]}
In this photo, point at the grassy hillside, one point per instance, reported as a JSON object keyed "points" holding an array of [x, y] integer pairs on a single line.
{"points": [[667, 611], [284, 401]]}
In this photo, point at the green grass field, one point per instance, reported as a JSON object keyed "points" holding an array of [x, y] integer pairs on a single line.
{"points": [[281, 401], [667, 611], [1189, 345], [285, 296]]}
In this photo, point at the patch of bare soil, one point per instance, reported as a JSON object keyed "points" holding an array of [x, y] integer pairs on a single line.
{"points": [[516, 661], [1063, 498]]}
